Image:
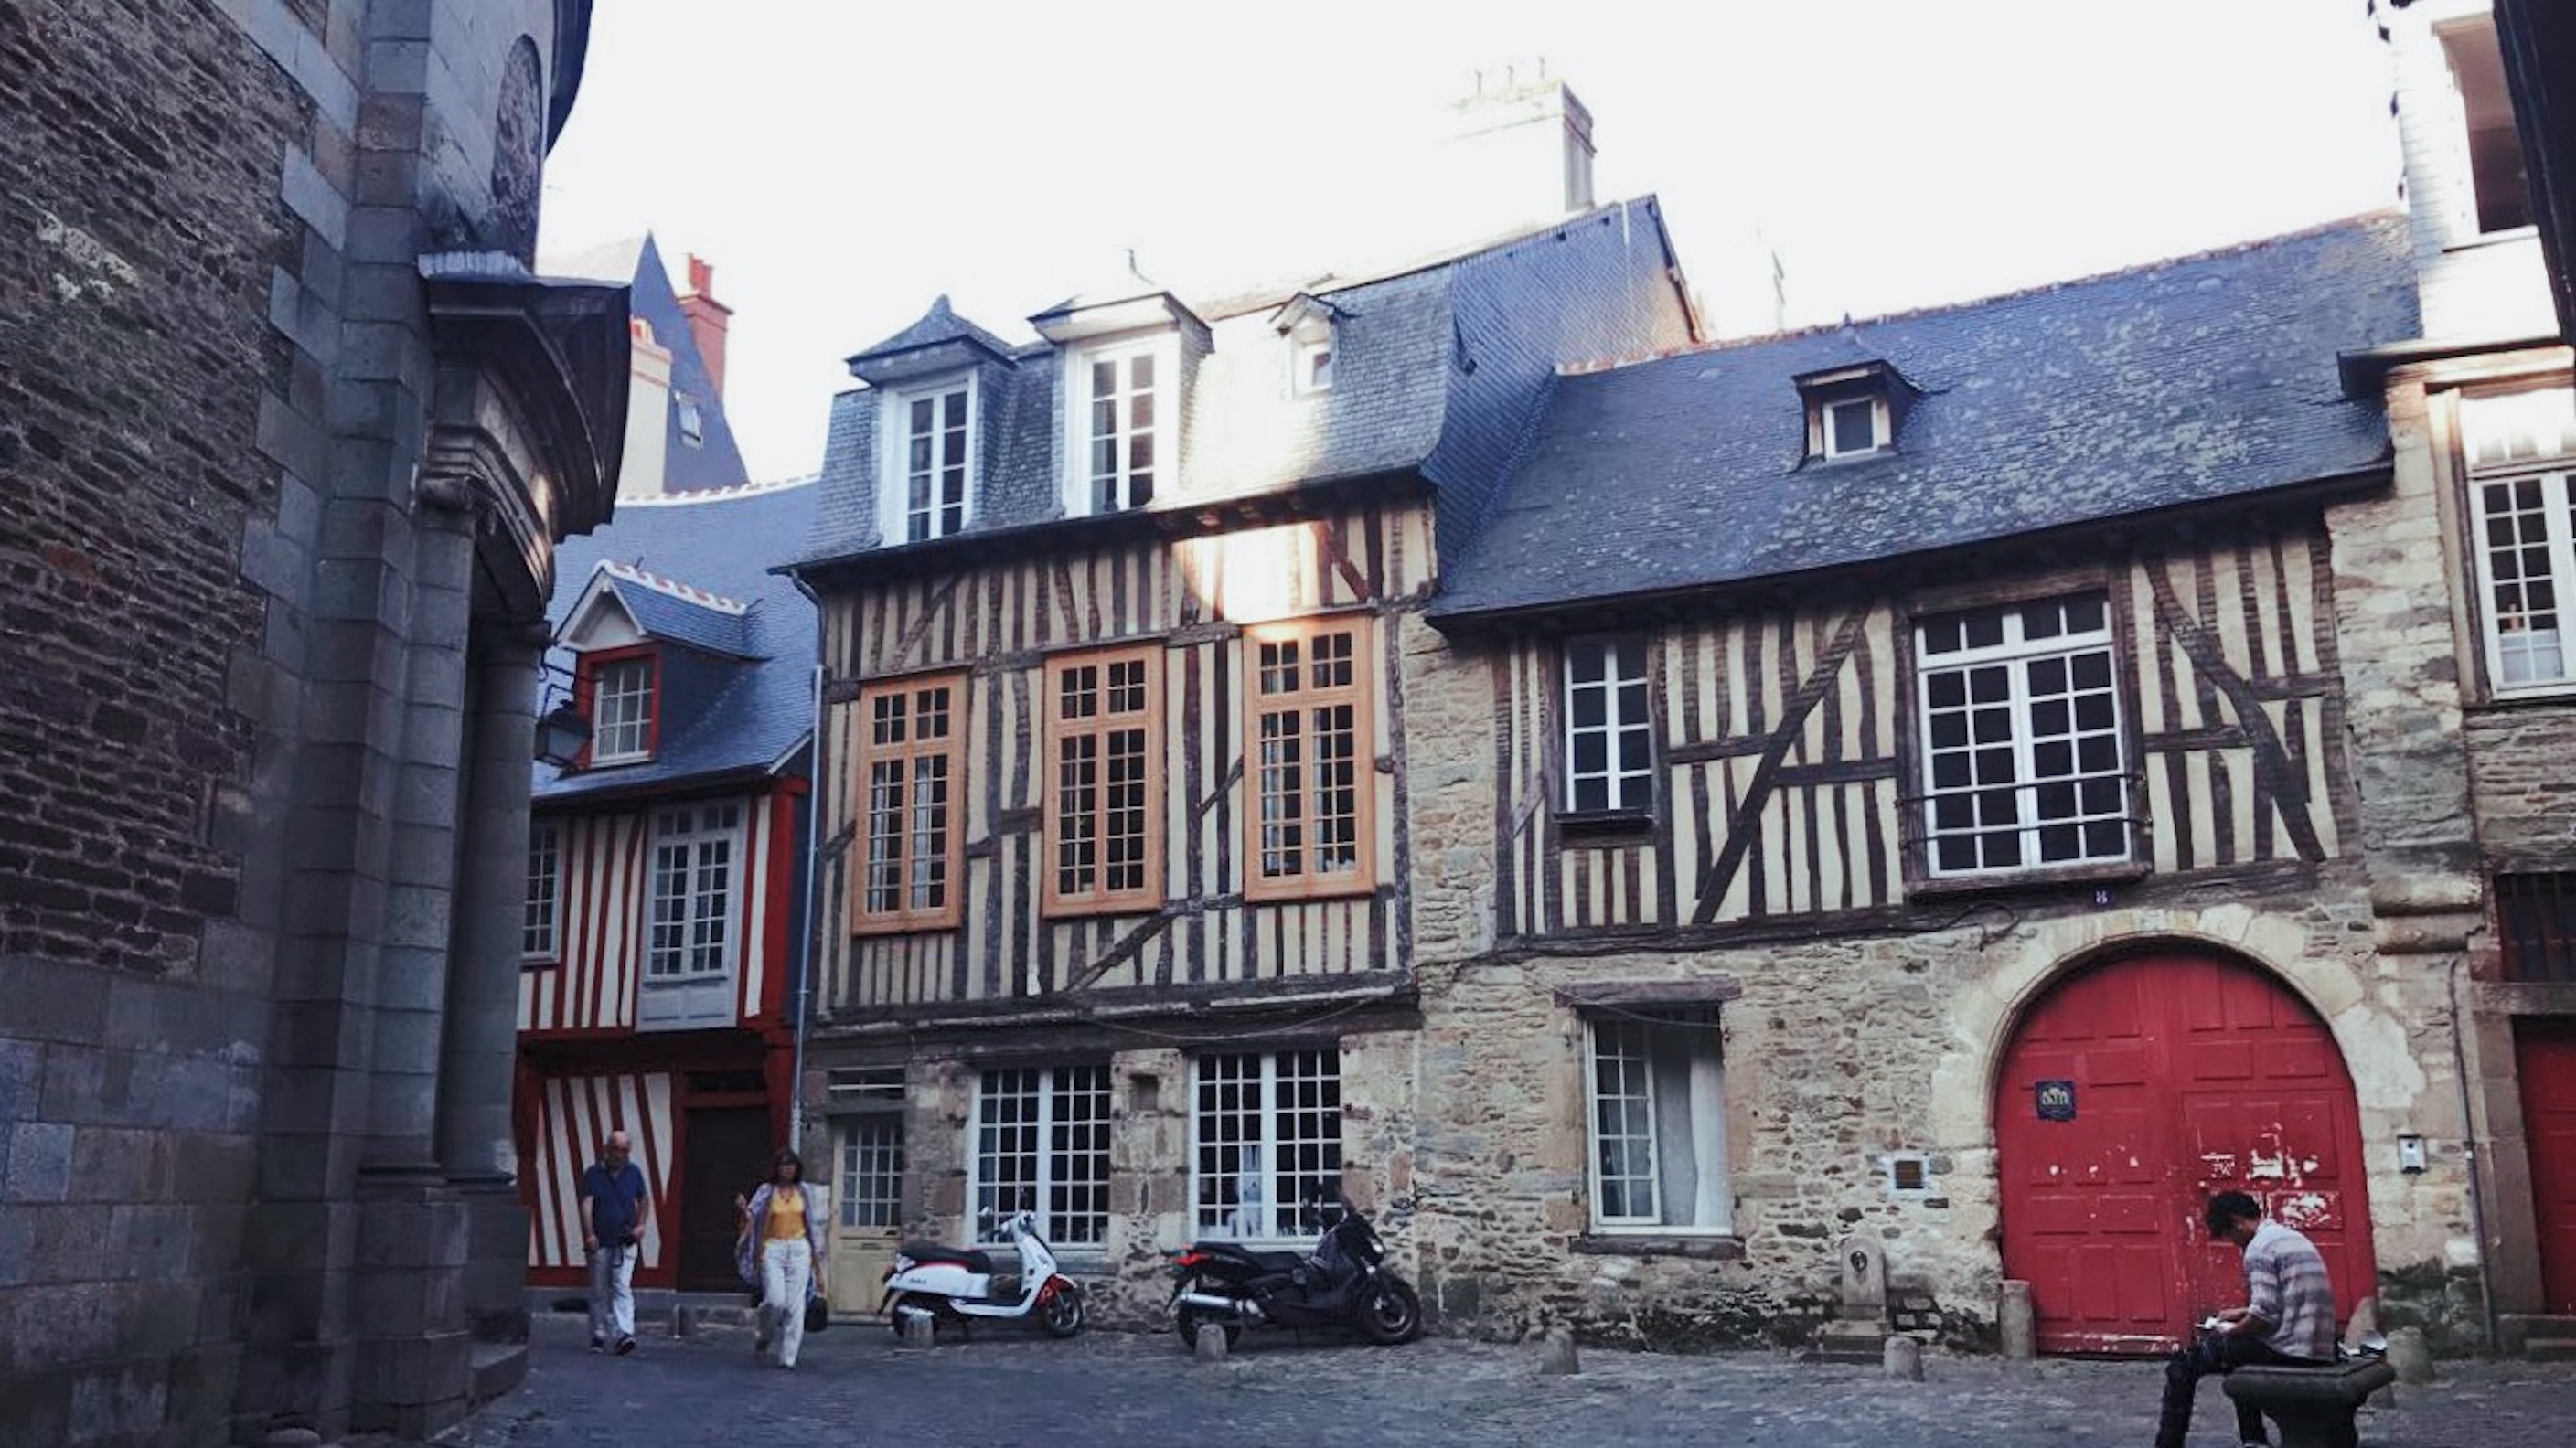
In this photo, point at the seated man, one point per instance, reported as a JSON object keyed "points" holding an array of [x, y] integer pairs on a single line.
{"points": [[2287, 1319]]}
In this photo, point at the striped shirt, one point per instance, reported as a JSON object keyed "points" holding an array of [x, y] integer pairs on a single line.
{"points": [[2285, 1284]]}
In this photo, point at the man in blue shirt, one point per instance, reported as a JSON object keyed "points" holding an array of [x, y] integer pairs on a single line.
{"points": [[612, 1224]]}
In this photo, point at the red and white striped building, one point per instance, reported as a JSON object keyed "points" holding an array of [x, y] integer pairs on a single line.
{"points": [[667, 863]]}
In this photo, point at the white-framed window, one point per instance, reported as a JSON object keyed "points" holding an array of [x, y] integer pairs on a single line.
{"points": [[1042, 1142], [1854, 425], [693, 422], [872, 1170], [621, 710], [1266, 1140], [2521, 452], [2023, 764], [539, 935], [928, 481], [696, 853], [1609, 728], [1122, 437], [2497, 195], [1657, 1093], [1311, 364]]}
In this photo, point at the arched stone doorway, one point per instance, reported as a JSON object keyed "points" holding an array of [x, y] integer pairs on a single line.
{"points": [[2132, 1090]]}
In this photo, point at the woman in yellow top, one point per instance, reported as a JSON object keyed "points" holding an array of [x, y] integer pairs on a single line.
{"points": [[781, 1252]]}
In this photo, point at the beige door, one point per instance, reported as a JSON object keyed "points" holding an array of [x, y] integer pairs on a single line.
{"points": [[868, 1151]]}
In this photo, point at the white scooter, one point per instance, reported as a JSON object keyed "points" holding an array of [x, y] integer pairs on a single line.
{"points": [[959, 1284]]}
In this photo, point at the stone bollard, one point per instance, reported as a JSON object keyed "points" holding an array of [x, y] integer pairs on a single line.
{"points": [[2014, 1322], [1904, 1359], [684, 1321], [918, 1330], [1556, 1354], [1210, 1344], [2413, 1359]]}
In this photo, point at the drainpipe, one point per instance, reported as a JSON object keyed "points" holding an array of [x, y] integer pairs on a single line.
{"points": [[804, 984], [2469, 1149]]}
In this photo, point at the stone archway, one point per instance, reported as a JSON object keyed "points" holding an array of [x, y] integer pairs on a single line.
{"points": [[2130, 1089]]}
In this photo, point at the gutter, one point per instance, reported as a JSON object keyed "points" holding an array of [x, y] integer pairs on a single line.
{"points": [[803, 983], [2365, 371]]}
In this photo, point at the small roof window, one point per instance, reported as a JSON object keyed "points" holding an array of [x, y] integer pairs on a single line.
{"points": [[1854, 411]]}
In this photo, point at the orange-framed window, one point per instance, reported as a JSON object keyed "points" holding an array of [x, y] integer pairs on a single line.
{"points": [[1104, 781], [912, 803], [1310, 773]]}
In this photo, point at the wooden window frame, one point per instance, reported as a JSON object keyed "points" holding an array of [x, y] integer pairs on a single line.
{"points": [[900, 471], [693, 828], [1277, 1079], [950, 747], [586, 689], [1308, 884], [1054, 900], [1082, 481], [545, 841]]}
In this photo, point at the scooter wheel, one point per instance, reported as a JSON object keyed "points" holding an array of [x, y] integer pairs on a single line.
{"points": [[1391, 1314], [894, 1312], [1063, 1314]]}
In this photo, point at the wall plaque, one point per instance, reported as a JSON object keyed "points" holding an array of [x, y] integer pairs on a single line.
{"points": [[2056, 1100]]}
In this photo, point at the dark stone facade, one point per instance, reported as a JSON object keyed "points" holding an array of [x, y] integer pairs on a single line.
{"points": [[263, 616]]}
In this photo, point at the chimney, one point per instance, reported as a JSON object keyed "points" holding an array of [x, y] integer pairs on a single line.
{"points": [[648, 415], [1519, 150], [709, 319]]}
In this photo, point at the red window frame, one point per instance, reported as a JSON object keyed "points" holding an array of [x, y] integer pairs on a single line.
{"points": [[586, 691]]}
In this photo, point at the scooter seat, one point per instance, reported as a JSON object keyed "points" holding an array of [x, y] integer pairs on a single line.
{"points": [[973, 1259], [1267, 1261]]}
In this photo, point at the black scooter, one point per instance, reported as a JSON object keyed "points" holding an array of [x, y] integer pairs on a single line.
{"points": [[1342, 1284]]}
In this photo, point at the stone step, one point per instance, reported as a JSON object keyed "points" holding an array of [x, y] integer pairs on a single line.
{"points": [[1848, 1342], [2541, 1337], [497, 1367]]}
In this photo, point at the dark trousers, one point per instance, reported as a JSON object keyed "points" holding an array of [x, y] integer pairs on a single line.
{"points": [[2213, 1354]]}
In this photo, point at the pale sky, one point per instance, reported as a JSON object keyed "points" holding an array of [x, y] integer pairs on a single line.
{"points": [[843, 161]]}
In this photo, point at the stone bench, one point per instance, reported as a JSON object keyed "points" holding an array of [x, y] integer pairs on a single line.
{"points": [[2314, 1406]]}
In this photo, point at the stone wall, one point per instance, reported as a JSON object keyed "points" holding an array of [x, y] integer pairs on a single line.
{"points": [[1839, 1053]]}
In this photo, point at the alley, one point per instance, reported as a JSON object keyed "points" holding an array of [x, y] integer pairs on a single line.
{"points": [[856, 1386]]}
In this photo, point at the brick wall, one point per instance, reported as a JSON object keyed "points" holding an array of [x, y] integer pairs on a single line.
{"points": [[137, 253]]}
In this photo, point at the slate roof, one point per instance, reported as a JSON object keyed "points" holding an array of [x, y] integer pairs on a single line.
{"points": [[714, 461], [1438, 367], [937, 327], [737, 674], [2186, 382]]}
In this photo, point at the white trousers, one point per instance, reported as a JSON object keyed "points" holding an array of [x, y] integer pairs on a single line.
{"points": [[786, 1275], [612, 1293]]}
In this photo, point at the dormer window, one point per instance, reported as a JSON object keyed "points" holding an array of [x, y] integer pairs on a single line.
{"points": [[1123, 424], [621, 695], [1851, 426], [1308, 324], [693, 423], [1314, 365], [2497, 197], [1854, 411], [935, 443]]}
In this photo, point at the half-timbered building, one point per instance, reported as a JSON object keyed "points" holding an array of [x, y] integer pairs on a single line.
{"points": [[664, 922], [1898, 781], [1117, 632]]}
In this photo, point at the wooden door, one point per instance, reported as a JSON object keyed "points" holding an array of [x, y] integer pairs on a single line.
{"points": [[867, 1216], [2132, 1092], [2545, 1057], [728, 1153]]}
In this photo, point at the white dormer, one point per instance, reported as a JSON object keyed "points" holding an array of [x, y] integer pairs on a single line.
{"points": [[2479, 271], [1121, 350], [929, 384], [1307, 323]]}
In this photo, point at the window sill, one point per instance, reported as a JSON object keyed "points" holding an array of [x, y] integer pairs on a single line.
{"points": [[1708, 1247], [1605, 827], [2506, 237], [1948, 887], [922, 925], [2529, 697], [539, 962]]}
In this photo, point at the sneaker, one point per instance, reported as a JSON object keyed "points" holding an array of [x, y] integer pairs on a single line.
{"points": [[599, 1344], [625, 1345]]}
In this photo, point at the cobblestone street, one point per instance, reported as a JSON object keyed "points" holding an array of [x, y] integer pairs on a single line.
{"points": [[856, 1385]]}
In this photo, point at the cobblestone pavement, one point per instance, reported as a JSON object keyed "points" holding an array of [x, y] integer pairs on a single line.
{"points": [[1012, 1386]]}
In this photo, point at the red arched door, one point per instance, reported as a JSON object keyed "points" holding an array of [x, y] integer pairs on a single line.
{"points": [[2131, 1092]]}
